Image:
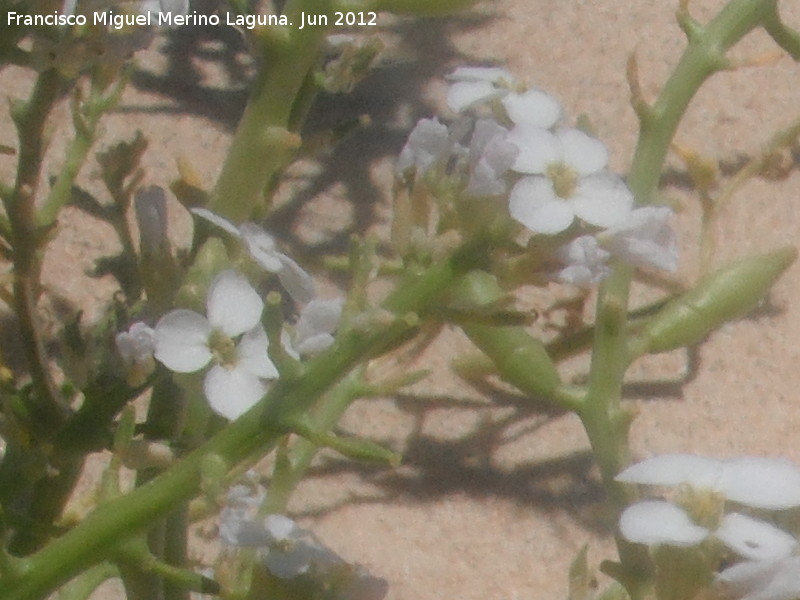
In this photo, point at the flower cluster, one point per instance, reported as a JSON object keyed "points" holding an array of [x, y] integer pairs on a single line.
{"points": [[510, 143], [698, 514], [289, 551], [230, 337]]}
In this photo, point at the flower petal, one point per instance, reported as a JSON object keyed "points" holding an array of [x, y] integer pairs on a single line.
{"points": [[261, 246], [773, 484], [319, 316], [584, 260], [232, 392], [181, 341], [463, 95], [281, 528], [236, 529], [534, 203], [252, 354], [602, 200], [583, 153], [761, 580], [645, 239], [295, 280], [754, 539], [491, 74], [657, 522], [674, 469], [533, 108], [314, 344], [215, 219], [537, 149], [233, 305]]}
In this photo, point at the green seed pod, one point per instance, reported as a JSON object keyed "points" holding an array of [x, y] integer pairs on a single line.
{"points": [[519, 358], [423, 8], [727, 294]]}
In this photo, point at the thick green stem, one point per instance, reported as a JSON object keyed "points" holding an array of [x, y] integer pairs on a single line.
{"points": [[262, 142]]}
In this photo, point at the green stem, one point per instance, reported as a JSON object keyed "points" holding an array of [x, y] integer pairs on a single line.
{"points": [[604, 420], [605, 424], [261, 143], [117, 520], [30, 120], [704, 56]]}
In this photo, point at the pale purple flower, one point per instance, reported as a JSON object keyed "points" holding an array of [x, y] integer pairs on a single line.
{"points": [[136, 347], [186, 341], [491, 155], [263, 248], [585, 262], [293, 550], [429, 144], [315, 326], [644, 239]]}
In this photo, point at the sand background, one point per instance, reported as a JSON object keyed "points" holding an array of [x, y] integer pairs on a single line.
{"points": [[496, 494]]}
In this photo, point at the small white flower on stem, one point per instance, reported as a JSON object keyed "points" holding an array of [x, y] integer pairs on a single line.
{"points": [[644, 239], [238, 522], [429, 144], [567, 179], [313, 332], [585, 262], [293, 550], [768, 483], [136, 347], [472, 86], [186, 341], [657, 522], [704, 485], [491, 156], [264, 250]]}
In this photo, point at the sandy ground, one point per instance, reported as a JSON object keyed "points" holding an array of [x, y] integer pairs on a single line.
{"points": [[495, 496]]}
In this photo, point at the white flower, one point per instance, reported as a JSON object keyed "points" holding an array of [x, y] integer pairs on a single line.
{"points": [[314, 329], [238, 523], [644, 239], [292, 550], [264, 250], [428, 145], [187, 341], [706, 484], [656, 522], [768, 483], [475, 85], [585, 262], [491, 155], [568, 180], [777, 579], [136, 347]]}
